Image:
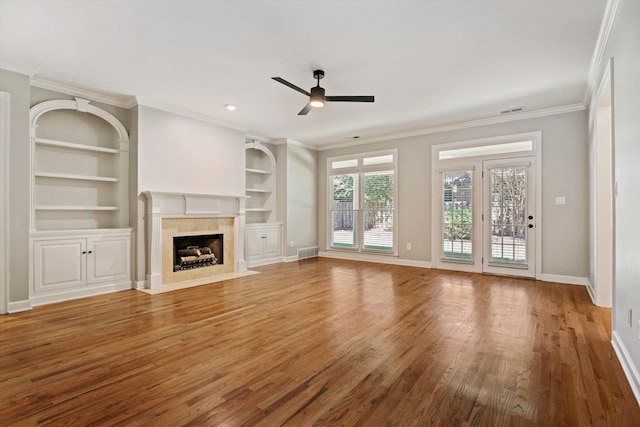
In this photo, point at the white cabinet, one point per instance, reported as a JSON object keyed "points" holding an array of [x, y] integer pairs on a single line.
{"points": [[67, 266], [263, 243], [260, 183]]}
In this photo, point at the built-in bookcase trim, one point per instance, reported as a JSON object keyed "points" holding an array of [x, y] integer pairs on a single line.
{"points": [[260, 183], [114, 184]]}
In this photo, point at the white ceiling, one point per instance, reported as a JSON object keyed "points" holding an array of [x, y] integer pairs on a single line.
{"points": [[428, 63]]}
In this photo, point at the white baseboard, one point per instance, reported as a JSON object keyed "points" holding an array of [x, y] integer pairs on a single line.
{"points": [[259, 262], [381, 259], [18, 306], [630, 370], [140, 284], [80, 293], [590, 291], [569, 280], [290, 258]]}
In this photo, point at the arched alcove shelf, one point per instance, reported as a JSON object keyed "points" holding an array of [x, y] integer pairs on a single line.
{"points": [[76, 184], [260, 183], [81, 105]]}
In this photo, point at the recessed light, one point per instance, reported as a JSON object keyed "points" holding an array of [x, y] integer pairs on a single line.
{"points": [[230, 107]]}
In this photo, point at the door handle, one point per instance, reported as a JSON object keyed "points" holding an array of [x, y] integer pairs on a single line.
{"points": [[530, 225], [530, 216]]}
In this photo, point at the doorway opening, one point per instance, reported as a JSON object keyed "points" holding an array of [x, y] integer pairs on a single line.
{"points": [[601, 289]]}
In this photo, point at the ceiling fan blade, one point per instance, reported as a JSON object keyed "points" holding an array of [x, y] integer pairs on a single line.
{"points": [[291, 85], [305, 110], [349, 98]]}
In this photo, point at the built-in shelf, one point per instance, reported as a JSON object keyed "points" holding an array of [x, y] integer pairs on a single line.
{"points": [[74, 146], [258, 171], [260, 184], [76, 208], [77, 177]]}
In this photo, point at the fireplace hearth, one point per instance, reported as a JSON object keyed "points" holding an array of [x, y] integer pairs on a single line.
{"points": [[190, 252]]}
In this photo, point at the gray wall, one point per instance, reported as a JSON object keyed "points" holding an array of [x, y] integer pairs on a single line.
{"points": [[297, 185], [564, 173], [624, 47], [17, 85], [302, 198]]}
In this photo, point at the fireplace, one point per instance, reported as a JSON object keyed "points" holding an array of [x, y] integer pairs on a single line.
{"points": [[201, 251]]}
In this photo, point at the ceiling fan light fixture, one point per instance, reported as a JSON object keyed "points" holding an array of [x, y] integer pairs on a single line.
{"points": [[317, 97]]}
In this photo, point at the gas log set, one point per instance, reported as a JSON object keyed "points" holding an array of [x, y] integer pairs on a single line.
{"points": [[195, 257], [191, 252]]}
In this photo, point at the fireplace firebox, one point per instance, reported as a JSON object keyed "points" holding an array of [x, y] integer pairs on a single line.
{"points": [[191, 252]]}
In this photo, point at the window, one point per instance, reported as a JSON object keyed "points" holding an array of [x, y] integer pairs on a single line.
{"points": [[362, 191], [485, 150], [457, 215]]}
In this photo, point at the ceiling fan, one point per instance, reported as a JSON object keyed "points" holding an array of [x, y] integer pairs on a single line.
{"points": [[317, 97]]}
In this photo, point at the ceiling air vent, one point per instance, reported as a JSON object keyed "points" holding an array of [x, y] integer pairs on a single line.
{"points": [[512, 110]]}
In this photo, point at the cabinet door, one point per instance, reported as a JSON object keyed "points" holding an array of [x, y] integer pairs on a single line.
{"points": [[254, 244], [272, 242], [59, 264], [108, 258]]}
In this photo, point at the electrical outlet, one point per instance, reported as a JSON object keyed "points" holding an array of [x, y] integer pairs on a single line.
{"points": [[408, 246], [292, 243]]}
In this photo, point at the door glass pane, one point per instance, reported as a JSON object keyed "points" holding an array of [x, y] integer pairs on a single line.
{"points": [[378, 210], [344, 191], [508, 215], [457, 215]]}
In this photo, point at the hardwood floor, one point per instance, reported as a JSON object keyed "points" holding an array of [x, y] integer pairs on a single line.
{"points": [[319, 342]]}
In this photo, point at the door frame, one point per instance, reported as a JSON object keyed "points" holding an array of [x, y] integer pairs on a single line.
{"points": [[438, 166], [487, 267]]}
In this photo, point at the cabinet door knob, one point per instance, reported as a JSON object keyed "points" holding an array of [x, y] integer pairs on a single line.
{"points": [[90, 252], [84, 252]]}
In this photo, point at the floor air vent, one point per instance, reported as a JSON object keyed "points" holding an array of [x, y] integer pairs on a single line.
{"points": [[307, 252]]}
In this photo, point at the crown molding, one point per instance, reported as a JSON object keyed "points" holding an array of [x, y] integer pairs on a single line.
{"points": [[188, 113], [287, 141], [17, 68], [610, 12], [121, 101], [463, 125], [253, 137]]}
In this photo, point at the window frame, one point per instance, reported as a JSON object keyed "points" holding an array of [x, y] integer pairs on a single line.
{"points": [[360, 170]]}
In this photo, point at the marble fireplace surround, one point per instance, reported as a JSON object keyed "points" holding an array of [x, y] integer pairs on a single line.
{"points": [[175, 214]]}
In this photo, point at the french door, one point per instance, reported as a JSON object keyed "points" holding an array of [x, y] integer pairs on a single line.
{"points": [[508, 226], [487, 217]]}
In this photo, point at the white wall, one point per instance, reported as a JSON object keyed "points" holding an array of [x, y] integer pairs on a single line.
{"points": [[624, 47], [182, 155], [564, 173], [176, 154]]}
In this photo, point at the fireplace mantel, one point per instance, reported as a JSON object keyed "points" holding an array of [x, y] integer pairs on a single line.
{"points": [[161, 205]]}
